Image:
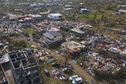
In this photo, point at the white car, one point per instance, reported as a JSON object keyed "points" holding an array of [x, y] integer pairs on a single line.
{"points": [[73, 77]]}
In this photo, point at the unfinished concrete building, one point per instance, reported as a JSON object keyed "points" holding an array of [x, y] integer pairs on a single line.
{"points": [[24, 67]]}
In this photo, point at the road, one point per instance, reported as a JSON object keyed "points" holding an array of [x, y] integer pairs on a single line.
{"points": [[76, 68]]}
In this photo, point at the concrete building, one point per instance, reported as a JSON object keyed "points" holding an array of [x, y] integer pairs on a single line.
{"points": [[7, 73], [24, 67], [72, 47], [53, 36]]}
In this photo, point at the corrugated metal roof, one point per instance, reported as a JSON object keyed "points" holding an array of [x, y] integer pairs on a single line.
{"points": [[52, 34], [47, 34]]}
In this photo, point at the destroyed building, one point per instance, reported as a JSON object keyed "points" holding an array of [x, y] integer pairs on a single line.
{"points": [[24, 67]]}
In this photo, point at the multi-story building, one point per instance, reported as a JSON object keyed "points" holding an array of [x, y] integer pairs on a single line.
{"points": [[53, 36], [24, 67]]}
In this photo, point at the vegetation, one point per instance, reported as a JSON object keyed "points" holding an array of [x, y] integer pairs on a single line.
{"points": [[18, 44], [28, 31], [103, 15]]}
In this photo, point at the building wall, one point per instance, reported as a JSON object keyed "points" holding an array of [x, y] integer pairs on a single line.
{"points": [[57, 38], [54, 39]]}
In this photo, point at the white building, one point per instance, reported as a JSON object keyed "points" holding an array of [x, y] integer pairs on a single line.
{"points": [[55, 16], [122, 11], [52, 36], [84, 10]]}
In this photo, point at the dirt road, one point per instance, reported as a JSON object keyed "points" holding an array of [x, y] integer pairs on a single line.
{"points": [[76, 68]]}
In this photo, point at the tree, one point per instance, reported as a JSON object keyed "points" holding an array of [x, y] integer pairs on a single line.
{"points": [[18, 44], [28, 31]]}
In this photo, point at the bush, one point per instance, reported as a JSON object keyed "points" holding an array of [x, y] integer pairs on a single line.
{"points": [[14, 45]]}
